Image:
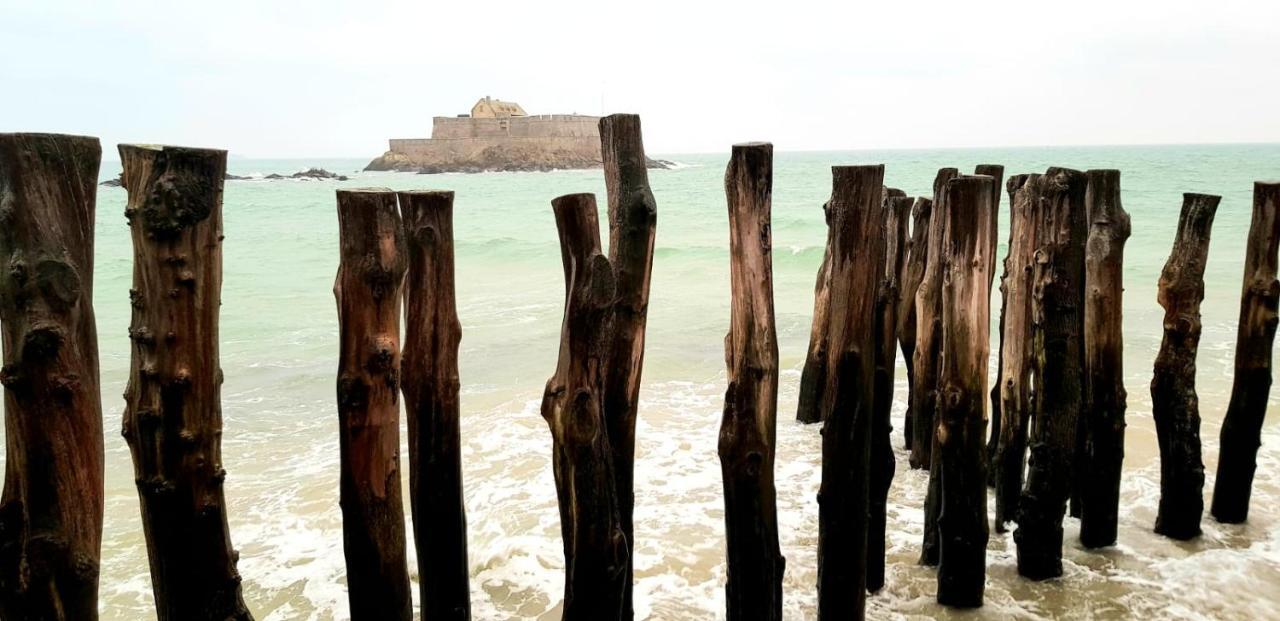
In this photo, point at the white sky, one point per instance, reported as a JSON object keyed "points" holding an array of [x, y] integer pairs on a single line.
{"points": [[322, 78]]}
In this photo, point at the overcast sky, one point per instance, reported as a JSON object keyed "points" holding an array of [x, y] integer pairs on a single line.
{"points": [[319, 78]]}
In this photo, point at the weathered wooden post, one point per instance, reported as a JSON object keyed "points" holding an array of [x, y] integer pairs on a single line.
{"points": [[897, 214], [1104, 392], [996, 172], [51, 509], [173, 407], [747, 432], [924, 393], [595, 547], [912, 274], [1256, 333], [371, 271], [962, 388], [633, 219], [1174, 405], [1058, 351], [1016, 347], [429, 381], [856, 242], [813, 376]]}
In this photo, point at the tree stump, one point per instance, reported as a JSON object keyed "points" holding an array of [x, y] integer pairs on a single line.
{"points": [[429, 381], [595, 546], [1174, 405], [1103, 421], [912, 274], [748, 429], [1256, 333], [368, 288], [633, 218], [173, 403], [51, 508], [856, 242], [996, 172], [1058, 352], [924, 387], [1016, 347]]}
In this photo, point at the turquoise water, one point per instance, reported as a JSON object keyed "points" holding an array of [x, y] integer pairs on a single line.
{"points": [[279, 354]]}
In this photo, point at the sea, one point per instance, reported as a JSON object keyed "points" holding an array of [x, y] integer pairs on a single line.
{"points": [[279, 353]]}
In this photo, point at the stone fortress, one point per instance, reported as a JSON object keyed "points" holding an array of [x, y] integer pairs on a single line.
{"points": [[498, 136]]}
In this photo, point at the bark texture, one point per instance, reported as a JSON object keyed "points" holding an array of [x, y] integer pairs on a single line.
{"points": [[748, 429], [927, 355], [51, 508], [856, 241], [633, 219], [429, 381], [595, 546], [1058, 353], [371, 272], [1255, 337], [996, 172], [966, 295], [173, 403], [912, 275], [813, 376], [1103, 422], [1174, 404]]}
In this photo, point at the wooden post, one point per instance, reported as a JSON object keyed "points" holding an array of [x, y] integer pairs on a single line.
{"points": [[748, 430], [856, 242], [633, 218], [1103, 421], [996, 172], [173, 405], [1058, 322], [429, 381], [912, 274], [1016, 346], [924, 391], [368, 286], [1256, 333], [966, 295], [51, 508], [1174, 405], [595, 547], [897, 214], [813, 376]]}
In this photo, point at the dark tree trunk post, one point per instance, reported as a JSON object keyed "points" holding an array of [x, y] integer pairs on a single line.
{"points": [[996, 172], [813, 376], [1058, 347], [1016, 347], [857, 241], [173, 407], [51, 509], [912, 274], [924, 387], [1174, 404], [595, 547], [429, 381], [748, 430], [1103, 420], [368, 287], [897, 214], [966, 343], [1242, 427], [633, 219]]}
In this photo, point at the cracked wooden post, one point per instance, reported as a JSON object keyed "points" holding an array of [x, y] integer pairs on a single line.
{"points": [[897, 213], [1058, 352], [173, 408], [813, 376], [429, 381], [1174, 404], [1103, 421], [753, 588], [595, 546], [912, 274], [633, 219], [928, 332], [1016, 347], [51, 508], [962, 388], [1255, 336], [856, 242], [996, 172], [367, 288]]}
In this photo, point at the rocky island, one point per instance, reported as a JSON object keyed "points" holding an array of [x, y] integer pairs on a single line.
{"points": [[500, 136]]}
